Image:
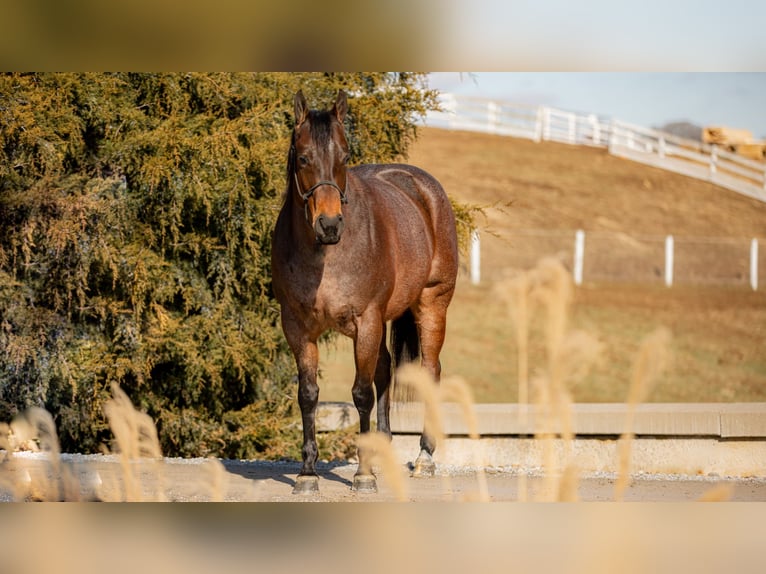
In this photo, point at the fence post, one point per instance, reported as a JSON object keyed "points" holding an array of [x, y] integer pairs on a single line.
{"points": [[669, 260], [579, 256], [713, 160], [546, 123], [754, 264], [475, 257], [539, 124], [661, 147], [450, 106], [492, 117], [595, 129], [572, 132], [612, 136]]}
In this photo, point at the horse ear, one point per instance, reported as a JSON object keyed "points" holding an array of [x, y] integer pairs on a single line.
{"points": [[301, 108], [341, 106]]}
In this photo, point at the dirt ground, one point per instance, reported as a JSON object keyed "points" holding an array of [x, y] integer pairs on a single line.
{"points": [[98, 477]]}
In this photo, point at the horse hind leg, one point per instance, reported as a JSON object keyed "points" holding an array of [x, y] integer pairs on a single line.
{"points": [[370, 332], [383, 386], [431, 318]]}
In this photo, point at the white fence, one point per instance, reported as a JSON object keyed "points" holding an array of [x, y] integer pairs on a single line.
{"points": [[599, 256], [652, 147]]}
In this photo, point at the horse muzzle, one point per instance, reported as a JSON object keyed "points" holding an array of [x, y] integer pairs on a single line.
{"points": [[328, 229]]}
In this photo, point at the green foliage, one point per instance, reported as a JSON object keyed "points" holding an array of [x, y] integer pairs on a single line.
{"points": [[135, 220]]}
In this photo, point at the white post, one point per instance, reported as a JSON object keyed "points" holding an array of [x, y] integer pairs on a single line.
{"points": [[754, 264], [450, 106], [669, 260], [661, 148], [539, 124], [475, 257], [713, 160], [612, 136], [546, 123], [492, 117], [595, 129], [572, 135], [579, 256]]}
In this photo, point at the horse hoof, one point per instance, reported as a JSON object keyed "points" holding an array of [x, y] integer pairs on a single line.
{"points": [[306, 485], [424, 467], [365, 484]]}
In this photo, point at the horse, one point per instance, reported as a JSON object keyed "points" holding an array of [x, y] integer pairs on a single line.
{"points": [[353, 249]]}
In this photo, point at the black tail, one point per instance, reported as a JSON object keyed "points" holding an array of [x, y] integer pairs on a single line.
{"points": [[405, 346]]}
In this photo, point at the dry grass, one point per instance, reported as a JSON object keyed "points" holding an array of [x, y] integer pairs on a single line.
{"points": [[142, 467], [650, 363], [378, 450], [546, 291], [433, 395]]}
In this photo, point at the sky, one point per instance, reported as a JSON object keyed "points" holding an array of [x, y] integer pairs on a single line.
{"points": [[650, 99]]}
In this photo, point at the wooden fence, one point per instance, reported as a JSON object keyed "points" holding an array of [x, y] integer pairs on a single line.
{"points": [[603, 256], [652, 147]]}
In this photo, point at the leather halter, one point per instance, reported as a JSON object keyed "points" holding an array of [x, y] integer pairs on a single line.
{"points": [[307, 195]]}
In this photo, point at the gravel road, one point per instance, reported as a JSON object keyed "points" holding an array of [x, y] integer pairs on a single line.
{"points": [[100, 477]]}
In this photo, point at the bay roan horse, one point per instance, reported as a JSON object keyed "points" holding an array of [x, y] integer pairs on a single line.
{"points": [[354, 248]]}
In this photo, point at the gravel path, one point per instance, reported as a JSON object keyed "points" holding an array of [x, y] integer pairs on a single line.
{"points": [[99, 477]]}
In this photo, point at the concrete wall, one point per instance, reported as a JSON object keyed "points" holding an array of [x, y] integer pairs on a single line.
{"points": [[690, 439]]}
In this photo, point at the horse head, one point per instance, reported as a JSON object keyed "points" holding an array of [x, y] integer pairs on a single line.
{"points": [[317, 166]]}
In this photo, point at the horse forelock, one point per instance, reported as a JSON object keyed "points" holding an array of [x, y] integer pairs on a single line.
{"points": [[320, 126]]}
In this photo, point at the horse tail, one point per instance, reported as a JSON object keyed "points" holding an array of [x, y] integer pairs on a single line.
{"points": [[405, 347]]}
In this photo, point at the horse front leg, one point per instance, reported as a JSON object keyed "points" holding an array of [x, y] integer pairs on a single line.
{"points": [[307, 360], [370, 330], [308, 398]]}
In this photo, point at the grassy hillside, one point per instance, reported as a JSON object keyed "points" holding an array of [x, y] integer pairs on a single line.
{"points": [[718, 332]]}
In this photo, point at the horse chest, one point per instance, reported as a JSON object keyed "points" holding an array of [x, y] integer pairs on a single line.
{"points": [[338, 305], [328, 303]]}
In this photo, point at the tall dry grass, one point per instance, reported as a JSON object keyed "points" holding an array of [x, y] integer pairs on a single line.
{"points": [[48, 478], [546, 292], [377, 449], [649, 364], [449, 390], [47, 481]]}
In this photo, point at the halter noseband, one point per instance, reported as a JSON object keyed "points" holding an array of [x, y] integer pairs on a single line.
{"points": [[306, 196]]}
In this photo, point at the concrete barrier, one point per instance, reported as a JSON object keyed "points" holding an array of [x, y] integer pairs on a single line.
{"points": [[724, 420], [691, 439]]}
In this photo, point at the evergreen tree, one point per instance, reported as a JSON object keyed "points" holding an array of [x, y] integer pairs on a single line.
{"points": [[135, 219]]}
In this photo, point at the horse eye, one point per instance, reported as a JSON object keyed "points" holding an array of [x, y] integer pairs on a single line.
{"points": [[303, 160], [346, 158]]}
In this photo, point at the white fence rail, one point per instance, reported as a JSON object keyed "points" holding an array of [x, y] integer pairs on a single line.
{"points": [[600, 256], [644, 145]]}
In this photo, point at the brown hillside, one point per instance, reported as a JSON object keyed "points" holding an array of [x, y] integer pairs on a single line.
{"points": [[557, 186]]}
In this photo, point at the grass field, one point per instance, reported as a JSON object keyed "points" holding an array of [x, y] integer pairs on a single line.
{"points": [[718, 349]]}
